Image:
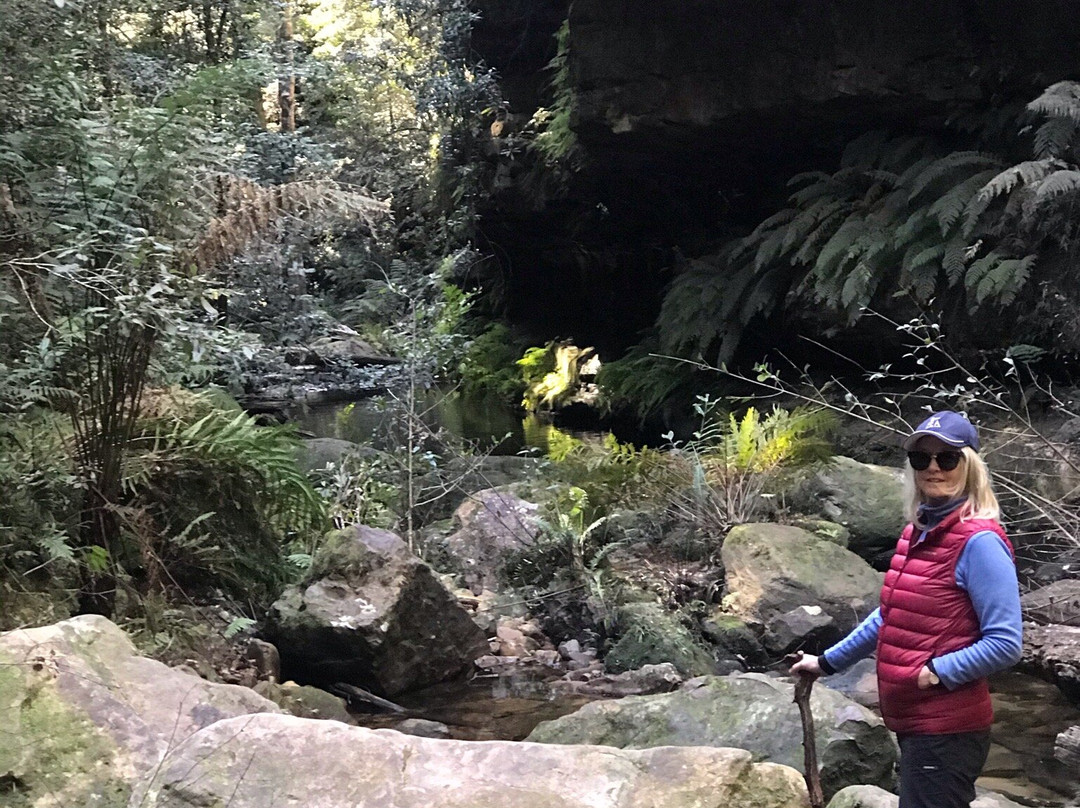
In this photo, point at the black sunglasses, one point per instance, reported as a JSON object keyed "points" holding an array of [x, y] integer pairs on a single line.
{"points": [[946, 461]]}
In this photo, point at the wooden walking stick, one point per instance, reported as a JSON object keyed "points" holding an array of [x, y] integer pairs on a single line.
{"points": [[802, 699]]}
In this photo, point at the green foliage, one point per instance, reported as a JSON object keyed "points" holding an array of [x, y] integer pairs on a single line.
{"points": [[645, 382], [357, 492], [730, 461], [608, 474], [551, 374], [900, 216], [555, 139], [490, 364], [224, 495]]}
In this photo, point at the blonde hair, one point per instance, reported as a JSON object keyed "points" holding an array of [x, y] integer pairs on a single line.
{"points": [[981, 502]]}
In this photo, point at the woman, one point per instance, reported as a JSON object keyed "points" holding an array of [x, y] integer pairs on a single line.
{"points": [[949, 617]]}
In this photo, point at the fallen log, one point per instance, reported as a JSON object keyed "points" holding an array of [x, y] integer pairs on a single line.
{"points": [[354, 693]]}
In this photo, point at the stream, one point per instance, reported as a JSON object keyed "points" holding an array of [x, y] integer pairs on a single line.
{"points": [[1029, 713]]}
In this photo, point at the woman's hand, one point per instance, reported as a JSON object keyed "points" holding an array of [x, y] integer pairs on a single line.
{"points": [[806, 663], [925, 681]]}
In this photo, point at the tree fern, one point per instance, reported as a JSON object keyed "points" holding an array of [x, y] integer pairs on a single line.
{"points": [[946, 168], [1060, 100], [1054, 137], [950, 206]]}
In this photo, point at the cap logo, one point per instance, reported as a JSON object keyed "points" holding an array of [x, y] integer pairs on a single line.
{"points": [[934, 423]]}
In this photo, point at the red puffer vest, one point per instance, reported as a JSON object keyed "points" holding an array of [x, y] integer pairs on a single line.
{"points": [[926, 615]]}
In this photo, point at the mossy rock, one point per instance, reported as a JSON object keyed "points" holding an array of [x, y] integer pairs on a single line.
{"points": [[824, 529], [650, 635], [49, 752]]}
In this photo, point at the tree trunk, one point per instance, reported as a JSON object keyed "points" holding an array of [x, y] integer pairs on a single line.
{"points": [[287, 78]]}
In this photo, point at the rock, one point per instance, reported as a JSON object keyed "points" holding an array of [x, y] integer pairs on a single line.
{"points": [[1057, 603], [283, 760], [422, 728], [1067, 747], [650, 635], [264, 659], [569, 648], [748, 711], [824, 529], [493, 524], [874, 797], [734, 638], [801, 626], [858, 683], [646, 680], [83, 715], [773, 569], [514, 643], [373, 615], [864, 797], [347, 351], [1053, 653], [305, 701], [866, 499]]}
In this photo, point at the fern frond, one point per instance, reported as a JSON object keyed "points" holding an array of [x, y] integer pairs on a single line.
{"points": [[839, 246], [807, 253], [1054, 137], [954, 260], [951, 205], [944, 168], [1002, 279], [856, 290], [251, 210], [1060, 100], [1057, 184]]}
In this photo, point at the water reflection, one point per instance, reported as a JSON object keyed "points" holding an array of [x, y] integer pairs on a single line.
{"points": [[494, 708], [485, 421]]}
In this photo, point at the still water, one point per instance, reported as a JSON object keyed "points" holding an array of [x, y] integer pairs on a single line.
{"points": [[485, 422]]}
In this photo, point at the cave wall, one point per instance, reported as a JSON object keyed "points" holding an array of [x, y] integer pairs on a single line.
{"points": [[693, 114]]}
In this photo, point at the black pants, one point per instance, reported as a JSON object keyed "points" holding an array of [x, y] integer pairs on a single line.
{"points": [[939, 771]]}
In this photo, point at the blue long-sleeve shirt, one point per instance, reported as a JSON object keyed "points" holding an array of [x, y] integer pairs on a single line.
{"points": [[985, 570]]}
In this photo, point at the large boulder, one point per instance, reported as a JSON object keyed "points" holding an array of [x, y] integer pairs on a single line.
{"points": [[83, 715], [778, 576], [1053, 653], [748, 711], [375, 615], [866, 499], [492, 525], [283, 760]]}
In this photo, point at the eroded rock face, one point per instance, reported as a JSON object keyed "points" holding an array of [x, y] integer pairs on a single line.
{"points": [[637, 67], [748, 711], [84, 716], [374, 615], [775, 570], [283, 760]]}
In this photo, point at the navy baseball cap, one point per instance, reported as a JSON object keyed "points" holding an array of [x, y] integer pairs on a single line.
{"points": [[951, 427]]}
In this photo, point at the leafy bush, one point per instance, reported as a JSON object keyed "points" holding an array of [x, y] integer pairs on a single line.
{"points": [[490, 364], [729, 462]]}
